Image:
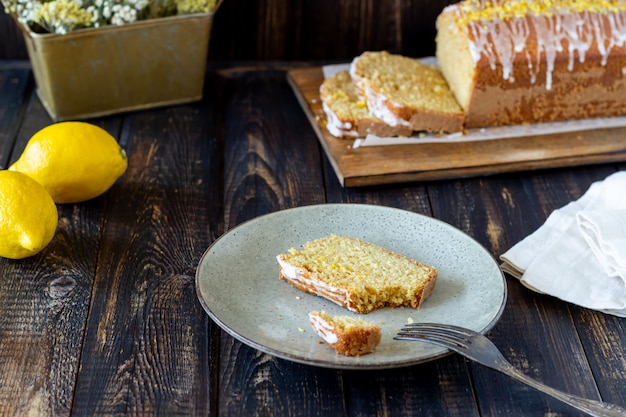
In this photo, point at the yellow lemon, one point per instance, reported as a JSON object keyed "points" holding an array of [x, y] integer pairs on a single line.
{"points": [[74, 161], [28, 216]]}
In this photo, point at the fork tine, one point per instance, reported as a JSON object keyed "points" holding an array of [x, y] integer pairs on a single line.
{"points": [[449, 336], [452, 338], [444, 327], [434, 333], [434, 338], [452, 331]]}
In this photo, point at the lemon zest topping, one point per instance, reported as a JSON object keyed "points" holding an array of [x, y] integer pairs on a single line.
{"points": [[477, 10]]}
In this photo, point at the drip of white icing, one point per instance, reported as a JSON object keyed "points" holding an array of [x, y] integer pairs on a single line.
{"points": [[499, 41], [376, 103], [335, 126]]}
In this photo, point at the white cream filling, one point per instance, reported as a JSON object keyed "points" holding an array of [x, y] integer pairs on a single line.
{"points": [[289, 271], [292, 273], [323, 329]]}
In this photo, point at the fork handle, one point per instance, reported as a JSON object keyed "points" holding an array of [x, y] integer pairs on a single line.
{"points": [[591, 407]]}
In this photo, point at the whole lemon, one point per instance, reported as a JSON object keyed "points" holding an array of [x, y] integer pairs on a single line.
{"points": [[28, 216], [74, 161]]}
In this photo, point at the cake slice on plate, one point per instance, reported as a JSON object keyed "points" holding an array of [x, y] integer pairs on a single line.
{"points": [[357, 275]]}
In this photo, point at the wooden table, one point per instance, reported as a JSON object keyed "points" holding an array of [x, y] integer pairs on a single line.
{"points": [[106, 321]]}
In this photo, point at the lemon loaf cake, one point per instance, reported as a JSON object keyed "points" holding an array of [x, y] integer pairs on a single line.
{"points": [[521, 61], [347, 115], [350, 336], [404, 92], [357, 275]]}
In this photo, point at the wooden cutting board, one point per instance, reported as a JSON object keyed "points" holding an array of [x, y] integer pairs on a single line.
{"points": [[374, 165]]}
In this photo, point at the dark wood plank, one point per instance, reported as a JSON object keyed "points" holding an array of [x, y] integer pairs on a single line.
{"points": [[604, 338], [12, 44], [149, 347], [45, 302], [438, 388], [15, 89], [271, 162], [323, 29], [433, 161], [256, 384]]}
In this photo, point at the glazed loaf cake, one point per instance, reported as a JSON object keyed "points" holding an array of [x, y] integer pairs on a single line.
{"points": [[525, 61], [347, 116], [356, 274]]}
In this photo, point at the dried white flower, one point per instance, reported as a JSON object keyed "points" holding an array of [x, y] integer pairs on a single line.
{"points": [[61, 16]]}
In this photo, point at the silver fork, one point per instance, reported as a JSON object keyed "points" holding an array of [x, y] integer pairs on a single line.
{"points": [[478, 348]]}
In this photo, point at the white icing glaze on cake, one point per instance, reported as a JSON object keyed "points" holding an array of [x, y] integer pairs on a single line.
{"points": [[567, 26], [375, 101], [376, 104], [335, 126]]}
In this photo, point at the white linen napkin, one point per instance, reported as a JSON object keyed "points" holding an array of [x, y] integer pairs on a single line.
{"points": [[579, 254]]}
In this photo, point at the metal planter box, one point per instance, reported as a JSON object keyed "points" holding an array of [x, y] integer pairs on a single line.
{"points": [[96, 72]]}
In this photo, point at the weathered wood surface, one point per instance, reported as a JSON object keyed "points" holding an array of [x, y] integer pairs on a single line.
{"points": [[105, 321]]}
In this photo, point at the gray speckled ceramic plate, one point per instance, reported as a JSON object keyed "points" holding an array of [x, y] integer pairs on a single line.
{"points": [[237, 283]]}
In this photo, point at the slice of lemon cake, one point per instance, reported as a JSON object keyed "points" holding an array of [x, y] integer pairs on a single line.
{"points": [[357, 275], [350, 336], [404, 92], [347, 115]]}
